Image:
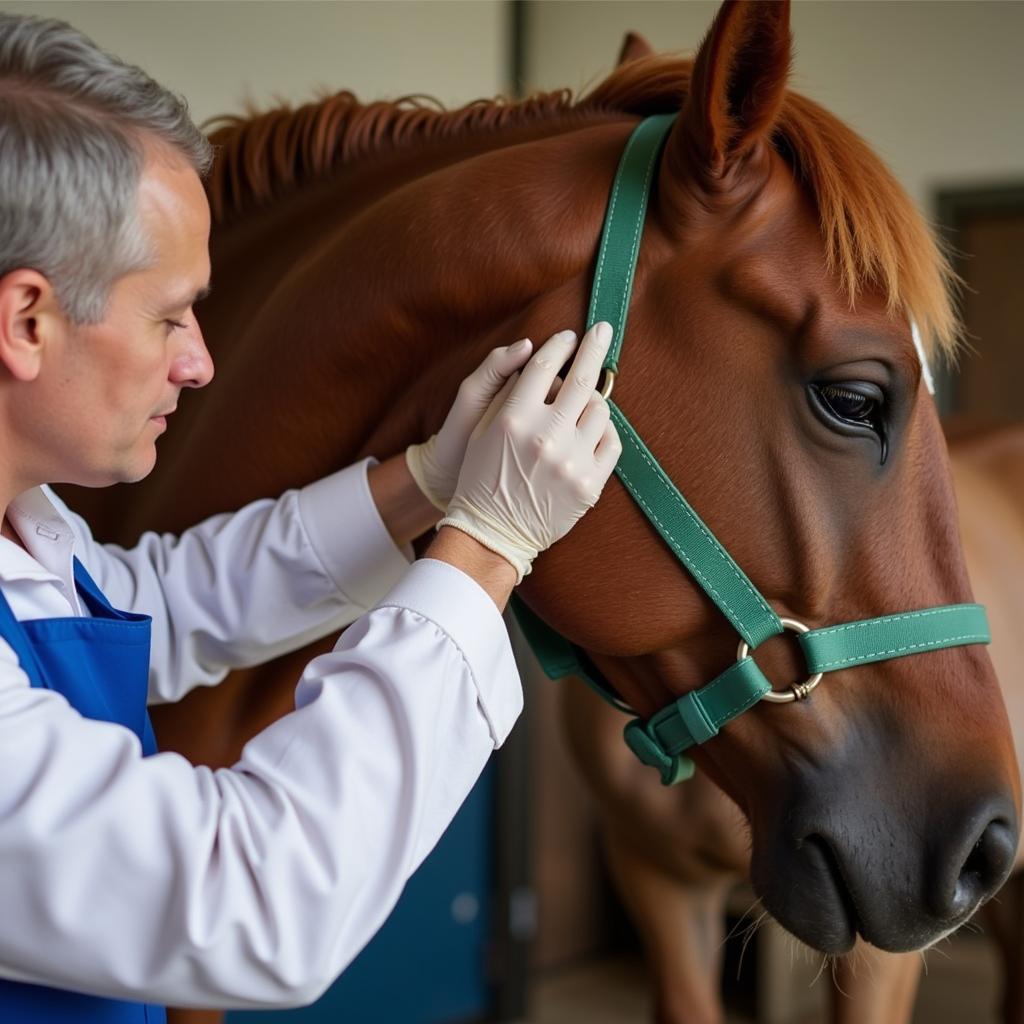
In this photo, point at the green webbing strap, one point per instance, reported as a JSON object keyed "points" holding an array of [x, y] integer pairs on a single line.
{"points": [[670, 514], [691, 541], [556, 655], [694, 718], [552, 650], [894, 636], [623, 225]]}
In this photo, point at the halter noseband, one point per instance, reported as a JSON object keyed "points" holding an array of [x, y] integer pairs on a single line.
{"points": [[697, 716]]}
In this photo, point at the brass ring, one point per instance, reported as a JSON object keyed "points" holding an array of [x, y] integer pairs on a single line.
{"points": [[605, 390], [798, 691]]}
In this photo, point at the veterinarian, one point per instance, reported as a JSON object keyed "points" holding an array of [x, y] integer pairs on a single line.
{"points": [[130, 877]]}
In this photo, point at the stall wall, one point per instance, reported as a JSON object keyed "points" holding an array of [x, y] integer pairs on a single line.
{"points": [[935, 87], [219, 55]]}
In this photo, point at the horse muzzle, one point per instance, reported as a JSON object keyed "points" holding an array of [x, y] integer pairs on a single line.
{"points": [[902, 881]]}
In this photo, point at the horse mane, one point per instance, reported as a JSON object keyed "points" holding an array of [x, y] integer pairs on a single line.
{"points": [[874, 235]]}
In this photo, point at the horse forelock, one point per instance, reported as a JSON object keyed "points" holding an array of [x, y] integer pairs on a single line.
{"points": [[873, 234]]}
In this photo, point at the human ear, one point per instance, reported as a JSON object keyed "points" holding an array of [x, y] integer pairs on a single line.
{"points": [[30, 316]]}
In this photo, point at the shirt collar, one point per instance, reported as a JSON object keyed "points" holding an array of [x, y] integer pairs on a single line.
{"points": [[48, 538]]}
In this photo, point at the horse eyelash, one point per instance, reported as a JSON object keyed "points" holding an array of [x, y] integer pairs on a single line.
{"points": [[836, 391]]}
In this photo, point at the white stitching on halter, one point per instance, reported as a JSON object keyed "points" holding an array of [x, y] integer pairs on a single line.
{"points": [[926, 372]]}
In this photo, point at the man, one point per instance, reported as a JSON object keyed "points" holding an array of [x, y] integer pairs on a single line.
{"points": [[130, 877]]}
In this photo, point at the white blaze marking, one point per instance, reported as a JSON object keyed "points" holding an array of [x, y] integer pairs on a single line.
{"points": [[926, 372]]}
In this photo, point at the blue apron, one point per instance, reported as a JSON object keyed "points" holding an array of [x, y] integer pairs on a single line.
{"points": [[101, 665]]}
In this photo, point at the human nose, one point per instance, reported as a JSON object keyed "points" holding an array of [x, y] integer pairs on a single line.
{"points": [[192, 365]]}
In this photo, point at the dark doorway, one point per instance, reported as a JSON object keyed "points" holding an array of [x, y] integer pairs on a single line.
{"points": [[985, 227]]}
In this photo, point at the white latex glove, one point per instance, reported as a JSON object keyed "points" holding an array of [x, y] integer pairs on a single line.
{"points": [[532, 469], [435, 463]]}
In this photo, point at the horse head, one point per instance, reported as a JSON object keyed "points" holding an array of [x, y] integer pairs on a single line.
{"points": [[770, 365]]}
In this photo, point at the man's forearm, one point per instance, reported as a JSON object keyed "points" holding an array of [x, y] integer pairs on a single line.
{"points": [[407, 513], [494, 574], [405, 509]]}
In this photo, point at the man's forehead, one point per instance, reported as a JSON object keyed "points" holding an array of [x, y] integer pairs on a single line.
{"points": [[171, 195], [175, 215]]}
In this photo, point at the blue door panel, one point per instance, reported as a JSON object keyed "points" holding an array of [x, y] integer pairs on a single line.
{"points": [[427, 964]]}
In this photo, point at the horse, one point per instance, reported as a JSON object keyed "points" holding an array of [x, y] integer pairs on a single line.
{"points": [[366, 257]]}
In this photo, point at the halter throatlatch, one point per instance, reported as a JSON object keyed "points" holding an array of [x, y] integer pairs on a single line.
{"points": [[698, 716]]}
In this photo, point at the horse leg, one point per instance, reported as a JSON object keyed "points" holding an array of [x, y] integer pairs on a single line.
{"points": [[682, 929], [1004, 920], [673, 852], [195, 1017], [875, 987]]}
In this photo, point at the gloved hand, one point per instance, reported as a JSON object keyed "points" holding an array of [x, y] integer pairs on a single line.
{"points": [[532, 469], [435, 463]]}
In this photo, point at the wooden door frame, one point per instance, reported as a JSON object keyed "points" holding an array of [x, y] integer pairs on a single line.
{"points": [[954, 209]]}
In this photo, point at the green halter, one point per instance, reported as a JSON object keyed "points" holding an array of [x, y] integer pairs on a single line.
{"points": [[697, 716]]}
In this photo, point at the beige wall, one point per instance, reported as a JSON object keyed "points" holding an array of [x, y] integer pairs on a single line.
{"points": [[220, 53], [936, 87]]}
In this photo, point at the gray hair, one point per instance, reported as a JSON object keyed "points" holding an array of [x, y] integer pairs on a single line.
{"points": [[73, 124]]}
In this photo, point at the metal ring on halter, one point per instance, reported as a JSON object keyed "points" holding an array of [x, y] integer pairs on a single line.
{"points": [[798, 691], [609, 382]]}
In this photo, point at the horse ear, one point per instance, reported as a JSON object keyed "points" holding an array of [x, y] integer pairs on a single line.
{"points": [[634, 46], [736, 90]]}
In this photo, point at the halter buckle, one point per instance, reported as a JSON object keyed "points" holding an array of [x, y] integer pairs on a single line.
{"points": [[605, 390], [798, 691]]}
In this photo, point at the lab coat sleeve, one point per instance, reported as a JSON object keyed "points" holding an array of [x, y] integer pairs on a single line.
{"points": [[241, 588], [151, 879]]}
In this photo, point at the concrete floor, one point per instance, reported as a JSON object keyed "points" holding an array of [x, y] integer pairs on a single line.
{"points": [[959, 988]]}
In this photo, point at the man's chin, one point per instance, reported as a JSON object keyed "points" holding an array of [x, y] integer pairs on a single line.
{"points": [[131, 472], [129, 469], [140, 471]]}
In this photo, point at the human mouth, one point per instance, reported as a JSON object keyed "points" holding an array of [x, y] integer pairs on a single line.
{"points": [[161, 418]]}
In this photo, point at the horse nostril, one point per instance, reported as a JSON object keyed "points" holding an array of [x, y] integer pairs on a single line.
{"points": [[825, 857], [983, 870]]}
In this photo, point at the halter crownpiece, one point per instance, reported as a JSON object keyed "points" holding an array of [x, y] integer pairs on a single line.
{"points": [[698, 716]]}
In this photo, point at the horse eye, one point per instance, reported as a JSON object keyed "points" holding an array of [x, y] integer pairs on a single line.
{"points": [[849, 405], [855, 404]]}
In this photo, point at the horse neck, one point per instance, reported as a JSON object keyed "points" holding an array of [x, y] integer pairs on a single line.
{"points": [[401, 273]]}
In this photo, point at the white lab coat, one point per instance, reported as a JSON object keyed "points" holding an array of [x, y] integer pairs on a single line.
{"points": [[155, 880]]}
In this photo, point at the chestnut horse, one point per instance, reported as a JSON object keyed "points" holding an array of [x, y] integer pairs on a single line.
{"points": [[367, 257]]}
